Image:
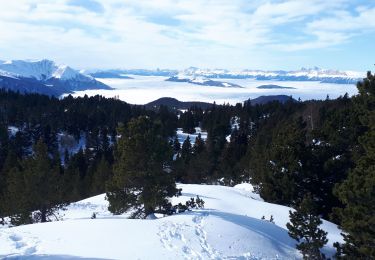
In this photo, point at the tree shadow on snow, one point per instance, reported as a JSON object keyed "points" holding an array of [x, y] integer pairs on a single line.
{"points": [[192, 195]]}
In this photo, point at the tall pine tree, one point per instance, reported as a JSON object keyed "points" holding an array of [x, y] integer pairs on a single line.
{"points": [[357, 192], [35, 188], [140, 183]]}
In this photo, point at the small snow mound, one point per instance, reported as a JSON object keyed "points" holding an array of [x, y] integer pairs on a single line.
{"points": [[245, 186], [151, 216]]}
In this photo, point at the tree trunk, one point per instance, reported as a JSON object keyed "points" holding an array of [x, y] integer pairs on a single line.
{"points": [[148, 210], [43, 215]]}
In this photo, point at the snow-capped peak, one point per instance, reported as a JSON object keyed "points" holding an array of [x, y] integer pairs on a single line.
{"points": [[313, 74], [65, 73], [40, 70], [48, 77]]}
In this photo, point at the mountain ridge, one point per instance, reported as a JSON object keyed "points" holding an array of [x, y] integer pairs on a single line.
{"points": [[45, 77], [303, 74]]}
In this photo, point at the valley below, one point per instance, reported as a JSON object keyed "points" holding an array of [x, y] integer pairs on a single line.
{"points": [[144, 89]]}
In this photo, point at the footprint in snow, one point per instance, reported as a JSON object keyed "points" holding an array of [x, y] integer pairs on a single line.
{"points": [[15, 237], [19, 244], [30, 250]]}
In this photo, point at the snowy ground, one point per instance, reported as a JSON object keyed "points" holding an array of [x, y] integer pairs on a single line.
{"points": [[144, 89], [181, 136], [230, 227]]}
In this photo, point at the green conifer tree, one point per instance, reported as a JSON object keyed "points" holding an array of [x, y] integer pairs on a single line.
{"points": [[35, 188], [176, 145], [140, 182], [281, 165], [197, 170], [357, 192], [102, 173], [199, 145], [186, 150], [17, 204], [43, 171], [304, 227]]}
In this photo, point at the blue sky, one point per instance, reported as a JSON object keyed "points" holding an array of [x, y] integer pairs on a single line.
{"points": [[233, 34]]}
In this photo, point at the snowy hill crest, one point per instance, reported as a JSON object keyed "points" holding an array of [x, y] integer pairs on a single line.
{"points": [[229, 227]]}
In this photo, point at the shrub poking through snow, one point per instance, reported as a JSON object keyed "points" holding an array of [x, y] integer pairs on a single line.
{"points": [[189, 205]]}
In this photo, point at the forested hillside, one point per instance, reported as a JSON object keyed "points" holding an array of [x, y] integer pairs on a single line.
{"points": [[323, 149]]}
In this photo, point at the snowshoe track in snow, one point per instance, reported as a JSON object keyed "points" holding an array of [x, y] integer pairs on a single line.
{"points": [[23, 246], [209, 251], [172, 237]]}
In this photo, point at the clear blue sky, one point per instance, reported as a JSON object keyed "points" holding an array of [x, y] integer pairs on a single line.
{"points": [[234, 34]]}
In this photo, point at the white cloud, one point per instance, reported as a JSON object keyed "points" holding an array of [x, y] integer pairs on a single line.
{"points": [[345, 21], [174, 33]]}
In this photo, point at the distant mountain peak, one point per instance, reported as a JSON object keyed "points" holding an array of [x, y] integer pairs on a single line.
{"points": [[40, 70], [310, 69], [304, 74], [65, 72], [45, 74]]}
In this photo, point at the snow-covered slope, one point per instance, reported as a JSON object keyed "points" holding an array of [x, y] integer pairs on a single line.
{"points": [[230, 227], [47, 76]]}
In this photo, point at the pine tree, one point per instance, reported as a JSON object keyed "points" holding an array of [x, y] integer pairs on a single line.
{"points": [[35, 187], [304, 227], [102, 173], [71, 182], [3, 176], [199, 145], [279, 165], [140, 182], [186, 150], [176, 145], [182, 162], [357, 192], [11, 175], [17, 204], [198, 168], [43, 171], [104, 142], [187, 121], [4, 141]]}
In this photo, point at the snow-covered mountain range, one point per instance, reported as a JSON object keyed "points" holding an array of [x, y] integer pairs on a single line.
{"points": [[310, 74], [216, 77], [45, 76]]}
